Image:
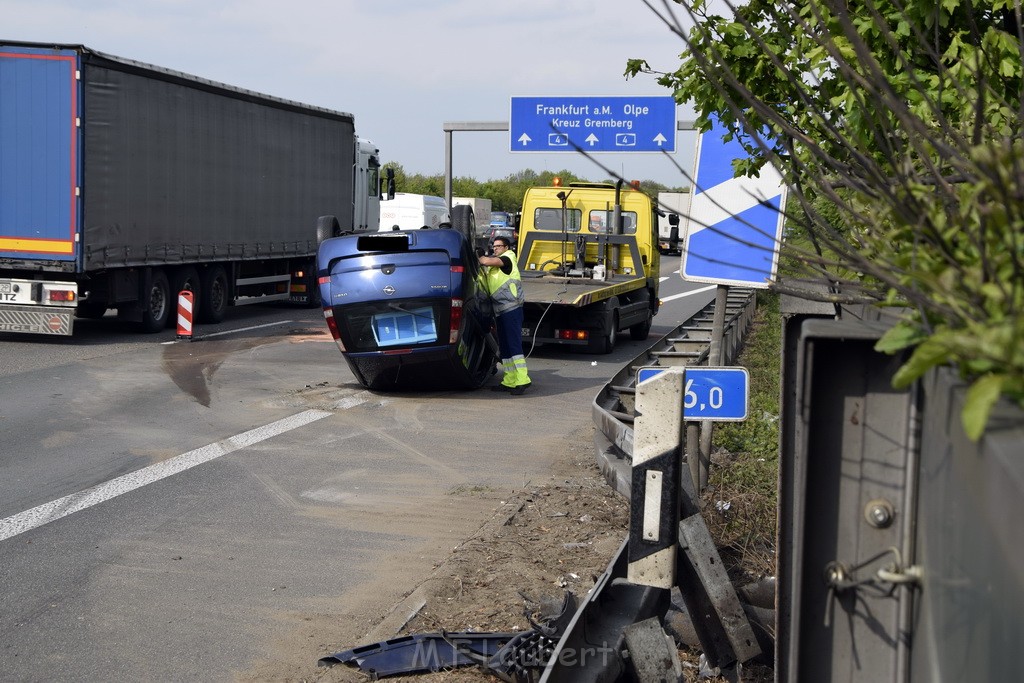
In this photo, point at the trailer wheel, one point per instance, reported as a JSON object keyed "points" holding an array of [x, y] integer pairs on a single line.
{"points": [[182, 279], [156, 304], [214, 300]]}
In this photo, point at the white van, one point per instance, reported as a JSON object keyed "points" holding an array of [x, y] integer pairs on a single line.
{"points": [[412, 211]]}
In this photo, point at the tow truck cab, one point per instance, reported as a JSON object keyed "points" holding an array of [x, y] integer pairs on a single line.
{"points": [[589, 258]]}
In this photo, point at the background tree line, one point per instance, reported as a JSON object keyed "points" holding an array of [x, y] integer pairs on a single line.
{"points": [[505, 194]]}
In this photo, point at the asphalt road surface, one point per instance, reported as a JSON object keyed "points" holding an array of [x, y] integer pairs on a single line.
{"points": [[177, 510]]}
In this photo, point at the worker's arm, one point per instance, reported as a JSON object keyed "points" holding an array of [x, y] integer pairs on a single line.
{"points": [[504, 262]]}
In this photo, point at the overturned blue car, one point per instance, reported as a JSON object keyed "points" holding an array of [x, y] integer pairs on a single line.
{"points": [[407, 310]]}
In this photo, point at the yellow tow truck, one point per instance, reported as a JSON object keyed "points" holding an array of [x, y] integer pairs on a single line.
{"points": [[589, 259]]}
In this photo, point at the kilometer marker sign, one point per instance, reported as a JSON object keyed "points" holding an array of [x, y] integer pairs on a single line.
{"points": [[719, 394]]}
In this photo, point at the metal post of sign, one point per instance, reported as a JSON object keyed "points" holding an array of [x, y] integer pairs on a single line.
{"points": [[692, 451], [686, 559], [714, 358]]}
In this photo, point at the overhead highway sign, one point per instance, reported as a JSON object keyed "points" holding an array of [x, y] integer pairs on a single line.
{"points": [[592, 124]]}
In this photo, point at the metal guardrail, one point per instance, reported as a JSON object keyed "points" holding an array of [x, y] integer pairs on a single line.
{"points": [[688, 344], [615, 606]]}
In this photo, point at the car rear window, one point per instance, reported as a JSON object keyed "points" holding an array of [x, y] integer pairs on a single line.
{"points": [[388, 325]]}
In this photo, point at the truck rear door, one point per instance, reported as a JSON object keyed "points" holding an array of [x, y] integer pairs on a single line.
{"points": [[39, 153]]}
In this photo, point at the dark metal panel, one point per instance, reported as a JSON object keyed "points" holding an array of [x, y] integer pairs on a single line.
{"points": [[969, 624], [846, 434]]}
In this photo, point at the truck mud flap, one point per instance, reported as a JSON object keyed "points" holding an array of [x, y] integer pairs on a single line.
{"points": [[38, 320]]}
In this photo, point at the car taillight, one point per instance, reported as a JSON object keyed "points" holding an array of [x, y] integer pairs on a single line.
{"points": [[572, 335], [332, 325], [61, 295], [456, 321]]}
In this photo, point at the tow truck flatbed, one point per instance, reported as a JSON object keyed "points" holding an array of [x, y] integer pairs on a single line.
{"points": [[576, 291]]}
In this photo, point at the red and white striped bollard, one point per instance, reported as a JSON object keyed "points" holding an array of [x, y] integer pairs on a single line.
{"points": [[186, 303]]}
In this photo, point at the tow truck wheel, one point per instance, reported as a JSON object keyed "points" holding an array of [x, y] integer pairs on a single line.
{"points": [[608, 341], [640, 331]]}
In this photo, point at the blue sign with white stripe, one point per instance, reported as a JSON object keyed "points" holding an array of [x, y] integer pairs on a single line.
{"points": [[734, 225], [719, 394], [592, 124]]}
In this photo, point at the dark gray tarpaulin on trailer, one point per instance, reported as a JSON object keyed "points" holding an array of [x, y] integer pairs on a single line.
{"points": [[173, 165]]}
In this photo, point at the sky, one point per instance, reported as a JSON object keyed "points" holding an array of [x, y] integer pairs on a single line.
{"points": [[402, 68]]}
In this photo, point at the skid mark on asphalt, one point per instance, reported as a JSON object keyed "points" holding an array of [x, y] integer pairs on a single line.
{"points": [[276, 492], [192, 365]]}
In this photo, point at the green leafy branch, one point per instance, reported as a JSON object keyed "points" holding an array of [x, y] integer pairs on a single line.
{"points": [[897, 124]]}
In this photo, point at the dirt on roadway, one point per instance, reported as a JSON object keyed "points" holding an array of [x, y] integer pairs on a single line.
{"points": [[552, 536]]}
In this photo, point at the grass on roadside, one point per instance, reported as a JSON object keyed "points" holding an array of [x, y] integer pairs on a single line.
{"points": [[741, 498]]}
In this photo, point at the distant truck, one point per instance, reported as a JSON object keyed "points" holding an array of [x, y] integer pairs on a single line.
{"points": [[407, 211], [501, 219], [672, 206], [590, 265], [481, 212], [122, 184]]}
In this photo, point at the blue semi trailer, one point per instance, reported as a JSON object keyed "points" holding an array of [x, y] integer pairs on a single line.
{"points": [[122, 184]]}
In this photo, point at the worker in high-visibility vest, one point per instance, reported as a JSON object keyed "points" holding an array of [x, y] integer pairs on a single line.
{"points": [[505, 289]]}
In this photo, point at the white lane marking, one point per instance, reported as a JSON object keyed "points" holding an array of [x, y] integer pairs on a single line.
{"points": [[690, 293], [62, 507], [241, 329]]}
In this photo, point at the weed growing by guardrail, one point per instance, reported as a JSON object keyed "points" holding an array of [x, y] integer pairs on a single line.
{"points": [[741, 499]]}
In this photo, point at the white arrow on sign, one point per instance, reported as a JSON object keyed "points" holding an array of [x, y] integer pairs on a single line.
{"points": [[524, 138], [592, 139], [660, 139]]}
